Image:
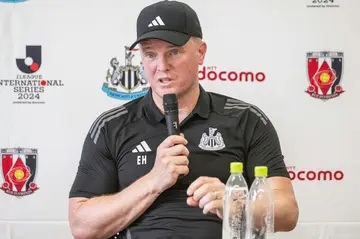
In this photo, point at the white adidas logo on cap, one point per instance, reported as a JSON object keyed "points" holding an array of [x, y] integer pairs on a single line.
{"points": [[156, 22]]}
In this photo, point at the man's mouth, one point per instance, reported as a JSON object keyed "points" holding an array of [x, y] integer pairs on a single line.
{"points": [[164, 80]]}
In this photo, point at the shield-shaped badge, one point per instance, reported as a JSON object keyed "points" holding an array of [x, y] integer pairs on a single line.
{"points": [[129, 77], [125, 82], [324, 72], [19, 170]]}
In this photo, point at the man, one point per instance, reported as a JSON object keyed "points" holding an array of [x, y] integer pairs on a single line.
{"points": [[128, 183]]}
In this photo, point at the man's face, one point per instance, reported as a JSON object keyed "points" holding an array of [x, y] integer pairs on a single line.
{"points": [[172, 69]]}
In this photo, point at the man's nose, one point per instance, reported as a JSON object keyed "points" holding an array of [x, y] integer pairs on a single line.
{"points": [[163, 64]]}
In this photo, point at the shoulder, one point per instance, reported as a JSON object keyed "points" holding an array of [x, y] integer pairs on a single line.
{"points": [[116, 117], [235, 108]]}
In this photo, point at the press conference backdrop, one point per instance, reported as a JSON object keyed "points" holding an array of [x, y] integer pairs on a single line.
{"points": [[296, 60]]}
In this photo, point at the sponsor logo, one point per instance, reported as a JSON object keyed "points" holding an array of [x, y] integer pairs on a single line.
{"points": [[212, 73], [322, 3], [315, 175], [156, 22], [212, 142], [125, 82], [19, 167], [142, 147], [32, 62], [30, 86], [325, 70]]}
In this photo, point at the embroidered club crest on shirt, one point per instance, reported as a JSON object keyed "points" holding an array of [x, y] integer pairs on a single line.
{"points": [[212, 142]]}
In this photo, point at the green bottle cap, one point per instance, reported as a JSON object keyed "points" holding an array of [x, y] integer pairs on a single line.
{"points": [[236, 167], [261, 171]]}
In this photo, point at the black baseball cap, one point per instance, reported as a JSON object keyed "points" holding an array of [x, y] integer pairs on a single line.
{"points": [[171, 21]]}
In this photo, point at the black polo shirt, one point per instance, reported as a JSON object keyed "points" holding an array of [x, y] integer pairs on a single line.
{"points": [[121, 147]]}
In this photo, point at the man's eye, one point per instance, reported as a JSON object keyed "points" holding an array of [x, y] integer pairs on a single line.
{"points": [[150, 55], [175, 52]]}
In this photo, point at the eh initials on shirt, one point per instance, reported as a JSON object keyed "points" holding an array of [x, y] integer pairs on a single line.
{"points": [[141, 159], [142, 147]]}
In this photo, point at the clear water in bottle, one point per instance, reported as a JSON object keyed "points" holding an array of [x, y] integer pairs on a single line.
{"points": [[260, 207], [236, 190]]}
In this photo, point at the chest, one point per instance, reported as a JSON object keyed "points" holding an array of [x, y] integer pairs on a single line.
{"points": [[212, 148]]}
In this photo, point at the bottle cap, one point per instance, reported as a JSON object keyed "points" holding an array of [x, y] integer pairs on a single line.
{"points": [[236, 167], [261, 171]]}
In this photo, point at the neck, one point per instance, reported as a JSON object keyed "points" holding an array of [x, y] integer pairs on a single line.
{"points": [[186, 102]]}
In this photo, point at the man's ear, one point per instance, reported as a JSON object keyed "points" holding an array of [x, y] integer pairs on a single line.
{"points": [[202, 52], [142, 71]]}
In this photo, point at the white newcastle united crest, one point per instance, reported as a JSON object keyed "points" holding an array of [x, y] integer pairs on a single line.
{"points": [[212, 142]]}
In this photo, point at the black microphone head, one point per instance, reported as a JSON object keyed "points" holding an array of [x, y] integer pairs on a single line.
{"points": [[170, 102]]}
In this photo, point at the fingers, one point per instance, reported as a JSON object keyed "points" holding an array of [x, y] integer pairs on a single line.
{"points": [[182, 170], [207, 193], [191, 202], [173, 140], [172, 146], [200, 182], [179, 160], [170, 163], [205, 189], [211, 196], [212, 206], [177, 165], [207, 203], [175, 161], [176, 150]]}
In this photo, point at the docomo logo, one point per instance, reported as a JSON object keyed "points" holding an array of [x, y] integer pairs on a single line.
{"points": [[322, 175], [210, 73]]}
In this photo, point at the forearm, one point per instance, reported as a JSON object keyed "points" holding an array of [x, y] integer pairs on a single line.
{"points": [[286, 212], [104, 216]]}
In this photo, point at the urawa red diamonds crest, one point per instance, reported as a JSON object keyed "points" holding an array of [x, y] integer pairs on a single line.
{"points": [[325, 70], [19, 170]]}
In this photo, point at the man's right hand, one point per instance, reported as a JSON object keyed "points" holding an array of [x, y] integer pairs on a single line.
{"points": [[171, 161], [124, 207]]}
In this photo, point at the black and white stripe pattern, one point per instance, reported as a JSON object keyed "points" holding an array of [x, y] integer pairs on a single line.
{"points": [[102, 119], [129, 79], [212, 143], [237, 104]]}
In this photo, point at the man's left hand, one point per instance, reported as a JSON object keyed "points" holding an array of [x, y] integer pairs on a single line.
{"points": [[207, 193]]}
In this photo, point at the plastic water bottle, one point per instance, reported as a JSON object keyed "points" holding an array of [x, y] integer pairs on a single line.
{"points": [[260, 207], [236, 191]]}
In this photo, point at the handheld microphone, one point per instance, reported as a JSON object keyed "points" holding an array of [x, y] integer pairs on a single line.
{"points": [[171, 111]]}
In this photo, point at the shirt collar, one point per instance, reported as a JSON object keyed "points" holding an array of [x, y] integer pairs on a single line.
{"points": [[151, 110], [202, 107]]}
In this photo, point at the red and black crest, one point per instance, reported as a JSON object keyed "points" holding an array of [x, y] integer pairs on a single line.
{"points": [[19, 170], [325, 70]]}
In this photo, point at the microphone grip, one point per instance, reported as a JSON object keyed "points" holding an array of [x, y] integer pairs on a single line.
{"points": [[172, 124]]}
